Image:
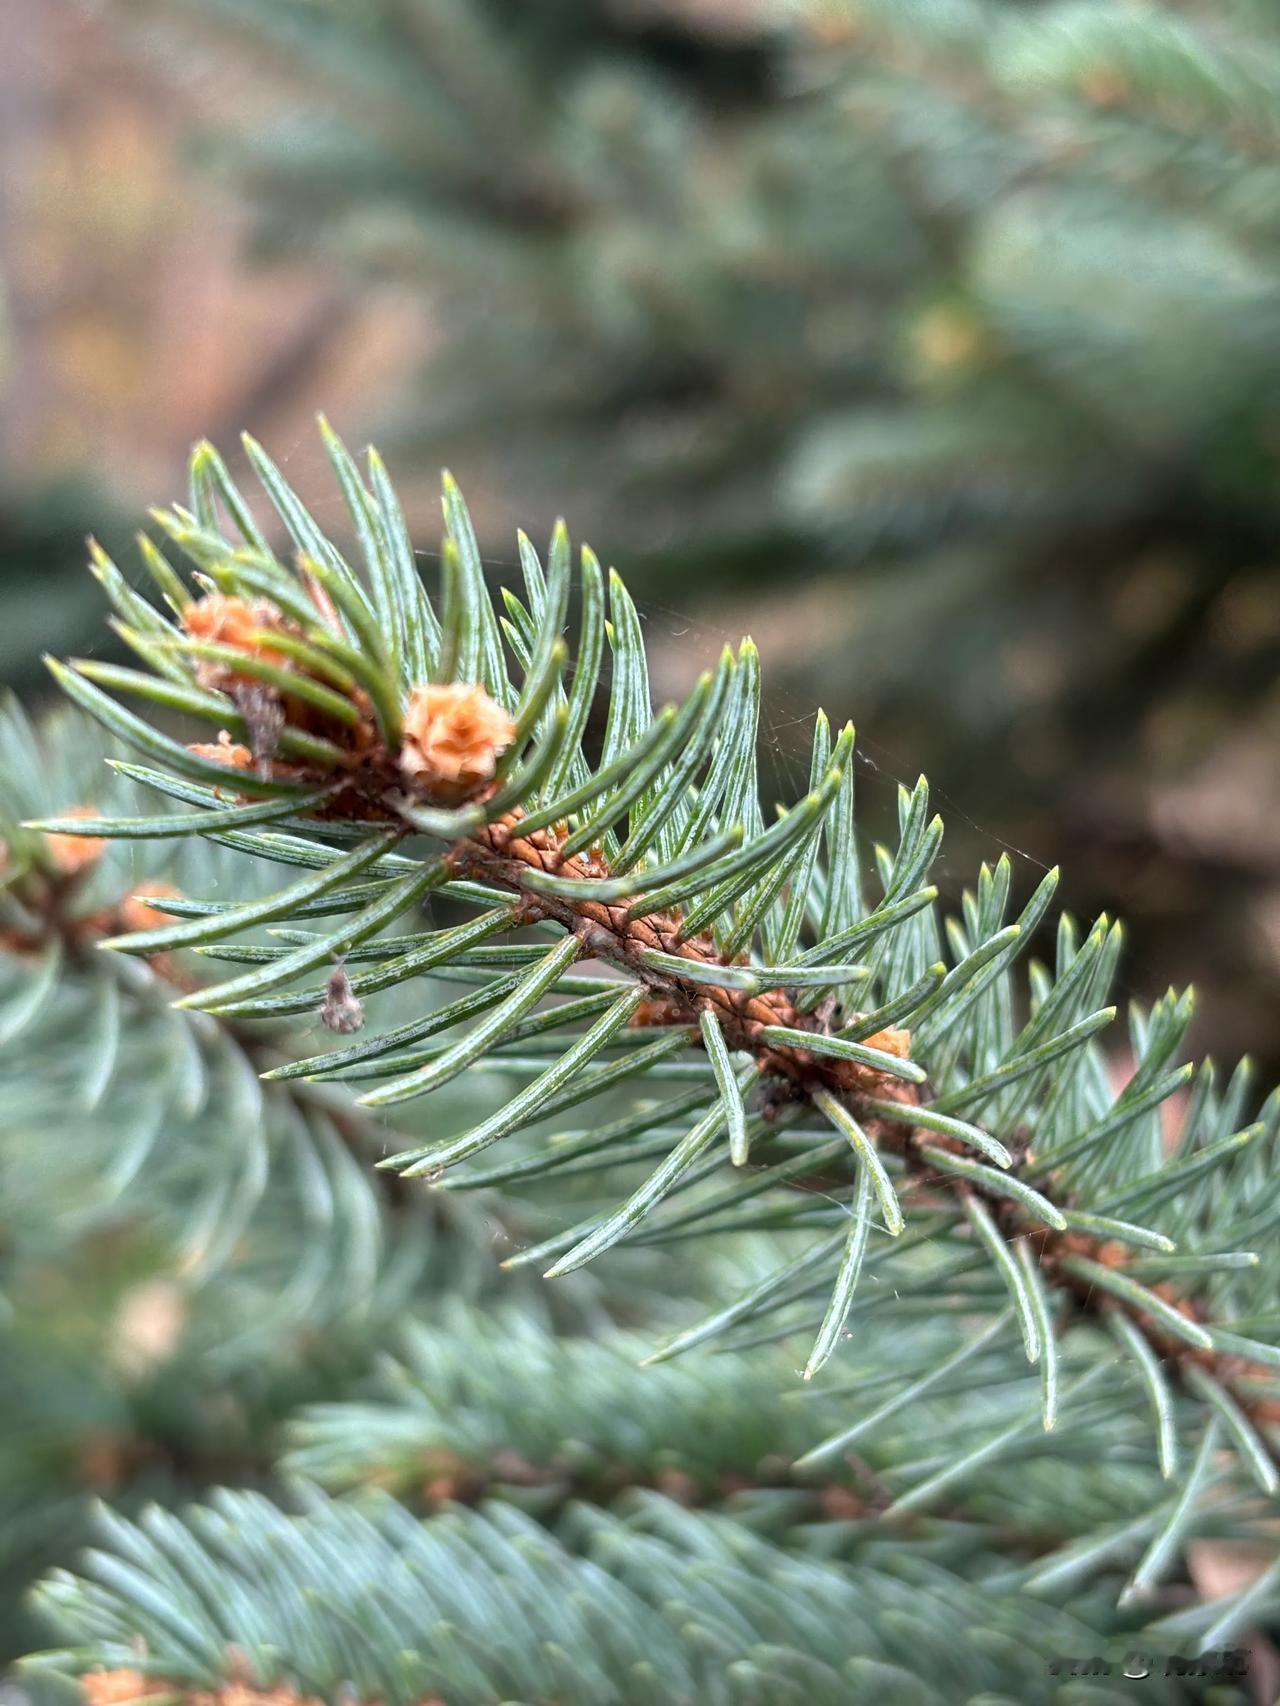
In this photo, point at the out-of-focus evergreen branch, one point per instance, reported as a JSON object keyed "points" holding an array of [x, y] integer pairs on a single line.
{"points": [[648, 1604]]}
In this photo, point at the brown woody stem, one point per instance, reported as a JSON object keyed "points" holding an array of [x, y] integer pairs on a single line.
{"points": [[498, 854]]}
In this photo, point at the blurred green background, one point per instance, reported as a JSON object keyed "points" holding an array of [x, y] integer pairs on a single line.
{"points": [[935, 344]]}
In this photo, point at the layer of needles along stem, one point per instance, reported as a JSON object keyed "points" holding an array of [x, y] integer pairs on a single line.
{"points": [[796, 1047]]}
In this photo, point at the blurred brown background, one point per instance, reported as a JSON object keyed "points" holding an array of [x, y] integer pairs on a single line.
{"points": [[939, 358], [134, 320]]}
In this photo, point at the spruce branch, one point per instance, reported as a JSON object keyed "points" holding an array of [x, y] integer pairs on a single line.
{"points": [[127, 1058], [739, 956], [242, 1600]]}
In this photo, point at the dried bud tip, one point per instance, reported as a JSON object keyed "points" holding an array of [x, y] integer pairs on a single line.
{"points": [[342, 1010]]}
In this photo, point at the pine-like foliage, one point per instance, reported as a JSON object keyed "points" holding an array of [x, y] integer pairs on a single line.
{"points": [[974, 299], [186, 1254], [559, 930], [653, 1604]]}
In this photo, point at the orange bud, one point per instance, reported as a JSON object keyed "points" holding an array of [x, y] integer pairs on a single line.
{"points": [[138, 911], [892, 1042], [73, 853], [232, 622], [112, 1687], [453, 734], [223, 751]]}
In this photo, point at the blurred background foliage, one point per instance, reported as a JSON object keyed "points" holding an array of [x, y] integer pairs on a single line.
{"points": [[935, 343]]}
